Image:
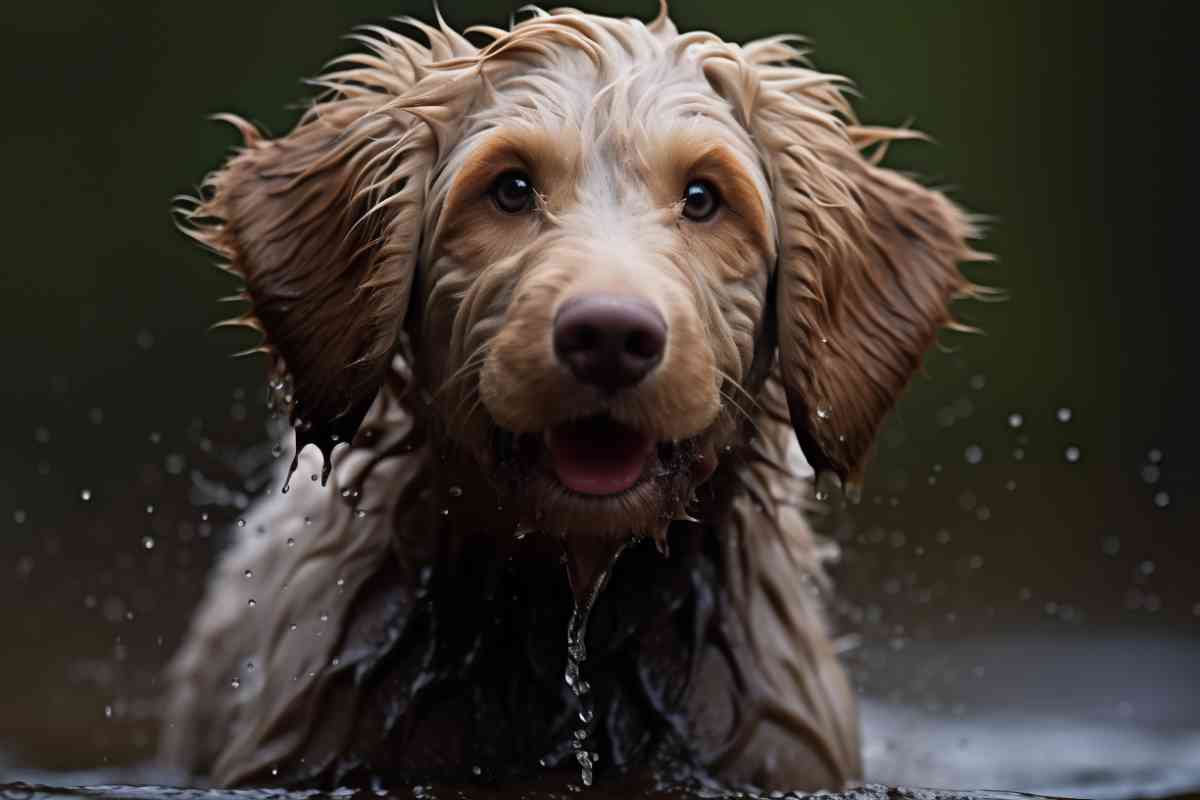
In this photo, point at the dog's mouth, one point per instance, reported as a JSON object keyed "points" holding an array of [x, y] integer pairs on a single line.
{"points": [[598, 455], [599, 475]]}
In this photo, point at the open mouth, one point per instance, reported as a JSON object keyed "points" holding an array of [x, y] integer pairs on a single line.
{"points": [[597, 455]]}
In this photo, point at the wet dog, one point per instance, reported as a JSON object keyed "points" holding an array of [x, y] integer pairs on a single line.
{"points": [[581, 288]]}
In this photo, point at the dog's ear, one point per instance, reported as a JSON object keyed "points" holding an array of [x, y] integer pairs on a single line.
{"points": [[868, 260], [863, 286], [322, 225]]}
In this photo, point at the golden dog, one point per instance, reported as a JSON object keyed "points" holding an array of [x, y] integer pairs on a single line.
{"points": [[590, 283]]}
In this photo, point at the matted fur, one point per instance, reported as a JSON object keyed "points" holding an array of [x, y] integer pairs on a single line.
{"points": [[797, 315]]}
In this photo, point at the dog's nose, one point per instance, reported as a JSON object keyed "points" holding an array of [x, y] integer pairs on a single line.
{"points": [[609, 341]]}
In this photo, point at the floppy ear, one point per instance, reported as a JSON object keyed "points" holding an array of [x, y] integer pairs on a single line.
{"points": [[868, 263], [854, 319], [323, 227]]}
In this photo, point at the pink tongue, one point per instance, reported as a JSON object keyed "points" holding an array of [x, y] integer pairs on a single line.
{"points": [[598, 455]]}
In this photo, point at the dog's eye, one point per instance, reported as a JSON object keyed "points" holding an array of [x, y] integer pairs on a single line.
{"points": [[700, 201], [513, 192]]}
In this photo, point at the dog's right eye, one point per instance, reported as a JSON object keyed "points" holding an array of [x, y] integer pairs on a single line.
{"points": [[513, 192]]}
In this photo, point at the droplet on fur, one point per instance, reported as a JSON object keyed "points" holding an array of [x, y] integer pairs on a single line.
{"points": [[291, 542], [822, 413], [235, 683], [251, 602], [248, 574]]}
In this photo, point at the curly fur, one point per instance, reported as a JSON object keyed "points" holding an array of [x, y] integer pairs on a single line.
{"points": [[388, 290]]}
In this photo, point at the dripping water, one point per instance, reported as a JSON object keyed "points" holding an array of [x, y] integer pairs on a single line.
{"points": [[588, 569]]}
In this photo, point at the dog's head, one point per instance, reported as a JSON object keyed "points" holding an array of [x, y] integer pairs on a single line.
{"points": [[599, 236]]}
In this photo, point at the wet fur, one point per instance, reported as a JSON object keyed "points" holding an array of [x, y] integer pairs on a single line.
{"points": [[409, 326]]}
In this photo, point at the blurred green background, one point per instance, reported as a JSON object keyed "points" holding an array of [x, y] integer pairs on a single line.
{"points": [[125, 421]]}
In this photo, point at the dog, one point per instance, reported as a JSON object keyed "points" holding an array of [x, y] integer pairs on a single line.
{"points": [[543, 297]]}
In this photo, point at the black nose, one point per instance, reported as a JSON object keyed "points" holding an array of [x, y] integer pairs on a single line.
{"points": [[609, 341]]}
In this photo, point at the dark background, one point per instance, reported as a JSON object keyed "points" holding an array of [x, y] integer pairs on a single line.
{"points": [[1063, 121]]}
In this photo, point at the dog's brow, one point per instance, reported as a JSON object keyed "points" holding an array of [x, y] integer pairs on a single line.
{"points": [[546, 157]]}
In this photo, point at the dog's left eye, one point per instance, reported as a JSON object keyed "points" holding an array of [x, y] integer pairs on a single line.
{"points": [[513, 192], [700, 201]]}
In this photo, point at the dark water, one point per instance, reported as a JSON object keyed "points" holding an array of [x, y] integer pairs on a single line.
{"points": [[1067, 716], [29, 791]]}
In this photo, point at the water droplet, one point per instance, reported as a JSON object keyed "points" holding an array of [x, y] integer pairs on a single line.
{"points": [[148, 542], [977, 382], [1162, 499], [476, 770], [1015, 420], [973, 454], [1019, 454], [308, 520], [1151, 473], [251, 602], [108, 712], [455, 491], [249, 574], [445, 512], [249, 666], [292, 627], [291, 542], [314, 477], [360, 513], [822, 413], [1155, 456], [341, 581], [204, 517], [1063, 414], [276, 451], [241, 523], [274, 771], [236, 683], [85, 495], [324, 618], [1071, 454], [149, 509]]}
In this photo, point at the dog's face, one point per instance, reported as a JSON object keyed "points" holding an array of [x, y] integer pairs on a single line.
{"points": [[592, 283], [600, 236]]}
